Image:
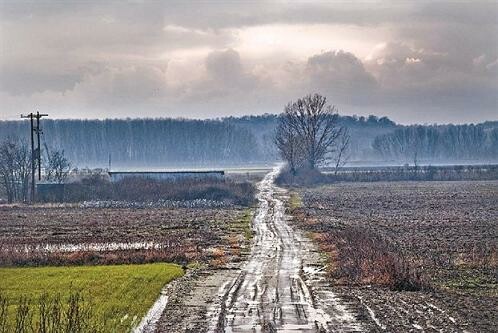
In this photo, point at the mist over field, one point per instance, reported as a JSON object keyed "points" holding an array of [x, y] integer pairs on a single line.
{"points": [[249, 141]]}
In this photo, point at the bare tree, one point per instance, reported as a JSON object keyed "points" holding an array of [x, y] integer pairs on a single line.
{"points": [[314, 125], [342, 153], [289, 145], [15, 169], [7, 167], [58, 166]]}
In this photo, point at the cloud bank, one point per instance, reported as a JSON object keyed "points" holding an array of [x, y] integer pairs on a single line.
{"points": [[414, 62]]}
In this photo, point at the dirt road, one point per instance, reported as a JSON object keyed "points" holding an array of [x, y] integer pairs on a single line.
{"points": [[282, 287], [279, 288]]}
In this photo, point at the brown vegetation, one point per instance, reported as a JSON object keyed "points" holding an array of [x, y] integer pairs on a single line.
{"points": [[98, 187], [362, 258]]}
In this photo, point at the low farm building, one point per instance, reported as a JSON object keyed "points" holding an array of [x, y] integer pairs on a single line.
{"points": [[166, 175], [48, 192]]}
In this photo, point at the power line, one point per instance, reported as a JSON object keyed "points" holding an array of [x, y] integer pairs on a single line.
{"points": [[35, 154]]}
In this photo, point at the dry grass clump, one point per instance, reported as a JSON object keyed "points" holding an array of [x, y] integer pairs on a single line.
{"points": [[218, 256], [12, 257], [363, 258]]}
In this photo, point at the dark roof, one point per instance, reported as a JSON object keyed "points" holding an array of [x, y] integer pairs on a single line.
{"points": [[166, 172]]}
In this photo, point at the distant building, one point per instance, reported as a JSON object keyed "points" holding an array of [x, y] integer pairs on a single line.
{"points": [[166, 175]]}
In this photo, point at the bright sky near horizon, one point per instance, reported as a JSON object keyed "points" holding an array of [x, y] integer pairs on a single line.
{"points": [[413, 61]]}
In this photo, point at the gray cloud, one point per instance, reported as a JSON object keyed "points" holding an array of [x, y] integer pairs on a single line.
{"points": [[439, 61], [420, 78], [121, 87], [341, 76], [225, 68]]}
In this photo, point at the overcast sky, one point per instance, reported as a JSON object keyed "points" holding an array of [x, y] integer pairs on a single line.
{"points": [[415, 62]]}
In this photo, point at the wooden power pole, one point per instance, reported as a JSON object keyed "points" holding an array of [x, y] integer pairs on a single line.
{"points": [[35, 153]]}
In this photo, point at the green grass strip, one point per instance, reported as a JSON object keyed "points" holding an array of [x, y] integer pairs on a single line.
{"points": [[120, 294]]}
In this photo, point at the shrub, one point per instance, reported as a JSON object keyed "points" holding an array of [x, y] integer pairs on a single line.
{"points": [[362, 257], [137, 189], [302, 177]]}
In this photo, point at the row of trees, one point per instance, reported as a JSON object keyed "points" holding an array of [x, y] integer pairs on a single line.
{"points": [[308, 134], [183, 142], [430, 143], [146, 142], [245, 140], [239, 141], [15, 168]]}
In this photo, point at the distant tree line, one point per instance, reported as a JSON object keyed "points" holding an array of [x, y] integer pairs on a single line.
{"points": [[413, 144], [145, 142], [245, 140]]}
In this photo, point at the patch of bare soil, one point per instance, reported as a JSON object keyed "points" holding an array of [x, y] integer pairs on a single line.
{"points": [[443, 234], [191, 298]]}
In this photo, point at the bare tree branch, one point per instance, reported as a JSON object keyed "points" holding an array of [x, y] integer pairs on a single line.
{"points": [[15, 169], [58, 166], [342, 153]]}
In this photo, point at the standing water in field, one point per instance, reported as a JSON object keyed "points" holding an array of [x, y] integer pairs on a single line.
{"points": [[276, 290]]}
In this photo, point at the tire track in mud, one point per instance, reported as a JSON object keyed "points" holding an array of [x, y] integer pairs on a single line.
{"points": [[278, 289]]}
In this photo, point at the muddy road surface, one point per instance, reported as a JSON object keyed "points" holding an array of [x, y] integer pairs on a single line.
{"points": [[278, 289]]}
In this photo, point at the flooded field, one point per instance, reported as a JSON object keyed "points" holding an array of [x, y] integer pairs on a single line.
{"points": [[43, 234]]}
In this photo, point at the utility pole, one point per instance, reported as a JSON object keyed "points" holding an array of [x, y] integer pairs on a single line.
{"points": [[34, 155], [38, 132]]}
